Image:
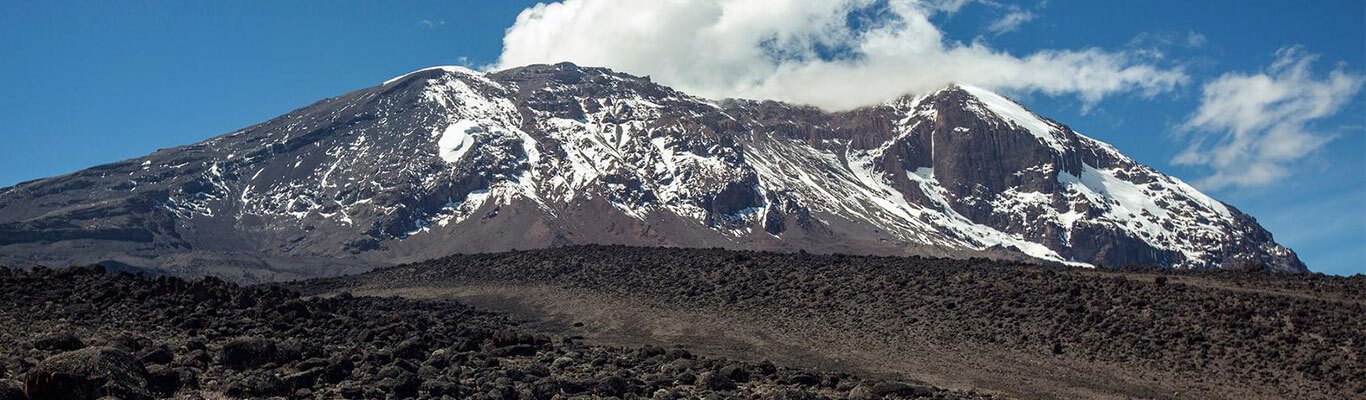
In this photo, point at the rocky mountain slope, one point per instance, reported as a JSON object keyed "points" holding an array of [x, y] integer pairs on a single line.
{"points": [[448, 160]]}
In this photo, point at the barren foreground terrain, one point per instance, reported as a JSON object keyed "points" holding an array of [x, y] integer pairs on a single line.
{"points": [[990, 326], [623, 322], [83, 333]]}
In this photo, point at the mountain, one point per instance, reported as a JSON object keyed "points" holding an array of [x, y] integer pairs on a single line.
{"points": [[448, 160]]}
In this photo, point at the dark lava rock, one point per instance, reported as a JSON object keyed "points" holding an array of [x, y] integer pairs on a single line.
{"points": [[412, 349], [613, 386], [712, 381], [391, 371], [88, 373], [11, 390], [130, 342], [257, 384], [293, 309], [650, 351], [446, 388], [64, 341], [294, 349], [158, 355], [338, 369], [163, 381], [544, 389], [514, 351], [303, 379], [897, 388], [804, 379], [789, 394], [735, 373], [405, 385], [247, 352]]}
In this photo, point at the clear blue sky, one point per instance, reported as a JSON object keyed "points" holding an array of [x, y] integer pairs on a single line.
{"points": [[86, 83]]}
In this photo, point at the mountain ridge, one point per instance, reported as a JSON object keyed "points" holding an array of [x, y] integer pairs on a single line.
{"points": [[447, 159]]}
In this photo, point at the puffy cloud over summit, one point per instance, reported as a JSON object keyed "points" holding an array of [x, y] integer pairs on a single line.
{"points": [[836, 54]]}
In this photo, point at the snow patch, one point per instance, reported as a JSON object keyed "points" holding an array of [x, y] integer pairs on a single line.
{"points": [[448, 68], [1157, 212], [457, 139], [1013, 113]]}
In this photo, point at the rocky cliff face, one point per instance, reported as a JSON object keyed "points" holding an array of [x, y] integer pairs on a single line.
{"points": [[448, 160]]}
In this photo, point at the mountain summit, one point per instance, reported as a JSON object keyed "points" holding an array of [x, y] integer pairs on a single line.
{"points": [[449, 160]]}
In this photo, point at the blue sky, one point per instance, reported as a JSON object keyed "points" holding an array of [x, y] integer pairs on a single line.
{"points": [[94, 82]]}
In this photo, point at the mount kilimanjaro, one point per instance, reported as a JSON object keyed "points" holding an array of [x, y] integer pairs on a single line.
{"points": [[448, 160]]}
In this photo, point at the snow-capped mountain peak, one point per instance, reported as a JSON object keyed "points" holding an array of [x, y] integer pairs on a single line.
{"points": [[447, 159]]}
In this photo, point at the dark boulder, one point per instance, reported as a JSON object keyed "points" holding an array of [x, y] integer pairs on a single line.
{"points": [[514, 351], [256, 385], [789, 394], [157, 355], [338, 369], [441, 387], [712, 381], [247, 352], [650, 351], [11, 390], [303, 379], [130, 342], [403, 386], [164, 381], [63, 341], [545, 388], [391, 371], [294, 309], [887, 388], [735, 373], [804, 379], [411, 349], [88, 373], [612, 386]]}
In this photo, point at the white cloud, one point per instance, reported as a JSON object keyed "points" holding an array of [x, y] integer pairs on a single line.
{"points": [[1195, 39], [1250, 129], [1155, 44], [1011, 21], [781, 50], [945, 6]]}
